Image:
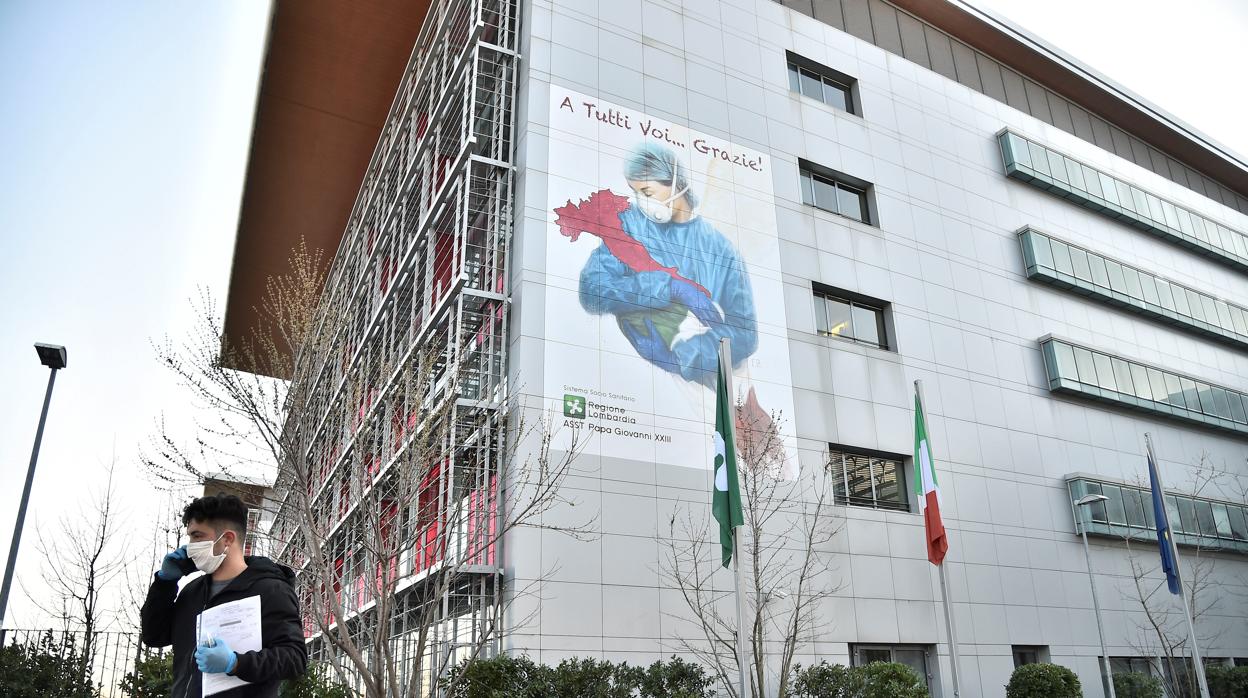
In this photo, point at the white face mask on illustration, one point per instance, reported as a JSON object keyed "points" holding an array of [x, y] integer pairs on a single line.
{"points": [[201, 554], [655, 210]]}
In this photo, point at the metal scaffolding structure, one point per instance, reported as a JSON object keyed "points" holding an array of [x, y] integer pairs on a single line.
{"points": [[402, 386]]}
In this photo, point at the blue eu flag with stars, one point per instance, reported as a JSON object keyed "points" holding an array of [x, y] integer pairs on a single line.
{"points": [[1163, 528]]}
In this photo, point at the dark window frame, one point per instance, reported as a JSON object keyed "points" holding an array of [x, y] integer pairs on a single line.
{"points": [[880, 308], [810, 173], [838, 468], [844, 84]]}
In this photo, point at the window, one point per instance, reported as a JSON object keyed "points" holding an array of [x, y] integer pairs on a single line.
{"points": [[834, 192], [1090, 188], [1210, 524], [913, 656], [832, 87], [865, 479], [850, 316], [1097, 375], [1029, 654]]}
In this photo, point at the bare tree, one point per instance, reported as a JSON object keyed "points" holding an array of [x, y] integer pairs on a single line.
{"points": [[238, 434], [1163, 631], [789, 526], [83, 560], [392, 492]]}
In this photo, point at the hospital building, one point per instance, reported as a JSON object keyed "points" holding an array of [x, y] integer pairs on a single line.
{"points": [[561, 207]]}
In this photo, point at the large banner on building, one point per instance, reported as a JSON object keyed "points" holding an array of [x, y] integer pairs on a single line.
{"points": [[661, 242]]}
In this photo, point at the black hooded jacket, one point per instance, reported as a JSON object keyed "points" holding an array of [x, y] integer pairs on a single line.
{"points": [[168, 618]]}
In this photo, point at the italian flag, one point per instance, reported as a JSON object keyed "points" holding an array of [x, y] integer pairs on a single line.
{"points": [[926, 490], [726, 495]]}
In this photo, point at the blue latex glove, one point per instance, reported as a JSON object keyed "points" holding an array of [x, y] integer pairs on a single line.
{"points": [[216, 659], [651, 346], [696, 301], [175, 565]]}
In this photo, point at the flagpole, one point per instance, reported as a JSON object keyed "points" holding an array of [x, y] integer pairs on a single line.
{"points": [[725, 364], [1198, 664], [944, 582]]}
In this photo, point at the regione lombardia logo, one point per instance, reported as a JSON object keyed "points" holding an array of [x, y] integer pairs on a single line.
{"points": [[574, 406]]}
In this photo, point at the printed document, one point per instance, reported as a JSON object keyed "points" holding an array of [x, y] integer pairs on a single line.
{"points": [[237, 624]]}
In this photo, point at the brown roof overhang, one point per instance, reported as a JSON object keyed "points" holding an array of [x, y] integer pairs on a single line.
{"points": [[331, 70]]}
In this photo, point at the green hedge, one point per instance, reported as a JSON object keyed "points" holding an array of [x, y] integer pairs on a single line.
{"points": [[1043, 681], [1227, 682], [508, 676], [1137, 685], [44, 668], [875, 680]]}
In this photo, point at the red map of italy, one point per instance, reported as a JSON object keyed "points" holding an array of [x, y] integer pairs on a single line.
{"points": [[599, 215]]}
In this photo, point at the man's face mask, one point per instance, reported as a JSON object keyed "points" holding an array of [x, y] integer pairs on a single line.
{"points": [[656, 210], [201, 554]]}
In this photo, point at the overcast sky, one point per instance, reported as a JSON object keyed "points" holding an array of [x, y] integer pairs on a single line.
{"points": [[124, 129]]}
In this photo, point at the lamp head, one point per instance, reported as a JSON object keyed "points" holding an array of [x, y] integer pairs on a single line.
{"points": [[1091, 499], [53, 356]]}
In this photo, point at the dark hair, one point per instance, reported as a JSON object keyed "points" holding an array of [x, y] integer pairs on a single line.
{"points": [[220, 511]]}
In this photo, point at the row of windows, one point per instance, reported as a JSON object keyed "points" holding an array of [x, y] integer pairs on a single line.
{"points": [[1050, 259], [1072, 368], [1133, 507], [1103, 193], [838, 316]]}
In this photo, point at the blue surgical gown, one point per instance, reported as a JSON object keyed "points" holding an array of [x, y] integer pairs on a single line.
{"points": [[700, 253]]}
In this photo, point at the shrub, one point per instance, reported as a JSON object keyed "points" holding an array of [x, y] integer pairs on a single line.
{"points": [[44, 668], [508, 676], [676, 678], [1043, 681], [591, 678], [499, 677], [889, 680], [824, 680], [152, 677], [315, 683], [1227, 682], [1136, 685], [875, 680]]}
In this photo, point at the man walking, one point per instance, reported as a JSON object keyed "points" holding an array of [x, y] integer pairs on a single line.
{"points": [[216, 527]]}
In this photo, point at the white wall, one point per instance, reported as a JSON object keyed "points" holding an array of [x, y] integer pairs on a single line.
{"points": [[946, 256]]}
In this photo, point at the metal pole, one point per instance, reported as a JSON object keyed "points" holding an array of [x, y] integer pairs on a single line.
{"points": [[725, 361], [1096, 605], [21, 510], [944, 583], [953, 642], [1198, 664]]}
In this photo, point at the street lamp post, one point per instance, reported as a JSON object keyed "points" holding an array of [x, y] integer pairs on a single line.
{"points": [[54, 357], [1082, 505]]}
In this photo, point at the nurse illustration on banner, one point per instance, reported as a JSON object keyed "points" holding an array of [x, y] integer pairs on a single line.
{"points": [[674, 283]]}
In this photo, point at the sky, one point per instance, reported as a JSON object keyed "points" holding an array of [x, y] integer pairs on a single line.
{"points": [[124, 129]]}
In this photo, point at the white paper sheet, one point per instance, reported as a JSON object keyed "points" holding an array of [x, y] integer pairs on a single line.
{"points": [[237, 624]]}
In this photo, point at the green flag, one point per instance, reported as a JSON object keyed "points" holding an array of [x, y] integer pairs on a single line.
{"points": [[726, 496]]}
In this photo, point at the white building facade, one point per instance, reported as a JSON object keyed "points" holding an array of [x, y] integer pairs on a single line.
{"points": [[873, 202]]}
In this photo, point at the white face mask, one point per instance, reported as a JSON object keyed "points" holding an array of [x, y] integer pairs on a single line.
{"points": [[655, 210], [201, 554]]}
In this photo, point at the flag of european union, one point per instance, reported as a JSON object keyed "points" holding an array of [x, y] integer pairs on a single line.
{"points": [[1163, 528]]}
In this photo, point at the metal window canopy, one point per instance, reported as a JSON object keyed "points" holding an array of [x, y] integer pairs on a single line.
{"points": [[1064, 384], [1077, 487], [1045, 168], [1045, 268]]}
